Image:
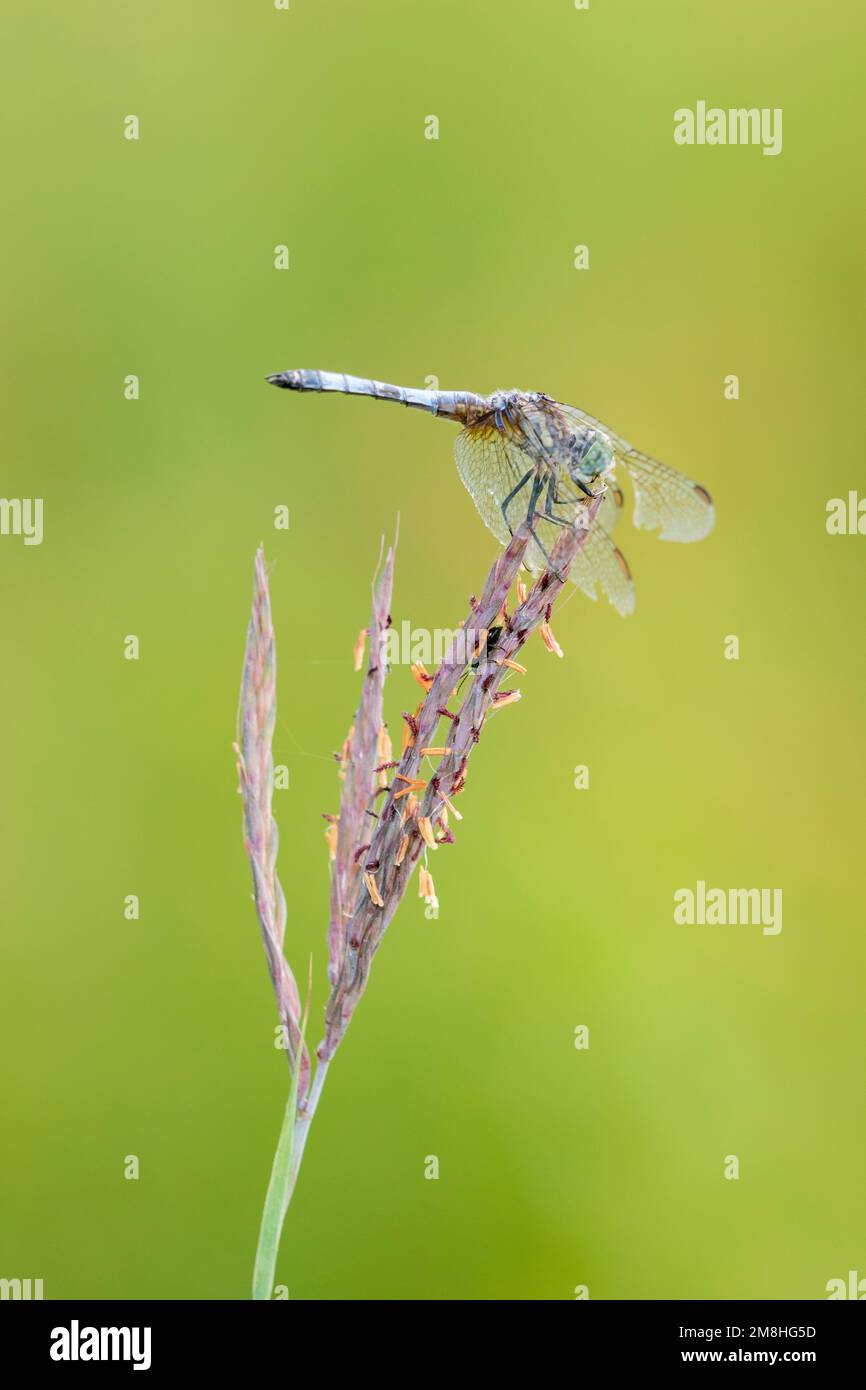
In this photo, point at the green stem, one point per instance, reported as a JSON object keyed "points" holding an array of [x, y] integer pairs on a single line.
{"points": [[284, 1175]]}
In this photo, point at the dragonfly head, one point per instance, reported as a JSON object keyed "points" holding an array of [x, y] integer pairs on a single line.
{"points": [[589, 455]]}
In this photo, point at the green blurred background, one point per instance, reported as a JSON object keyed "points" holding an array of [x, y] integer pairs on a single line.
{"points": [[409, 258]]}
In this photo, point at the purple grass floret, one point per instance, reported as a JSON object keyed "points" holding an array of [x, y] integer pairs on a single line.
{"points": [[256, 773], [366, 920], [369, 877]]}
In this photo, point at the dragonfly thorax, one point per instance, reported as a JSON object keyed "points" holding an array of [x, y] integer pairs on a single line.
{"points": [[504, 406]]}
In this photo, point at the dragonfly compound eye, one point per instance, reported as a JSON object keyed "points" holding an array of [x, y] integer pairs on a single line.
{"points": [[590, 454]]}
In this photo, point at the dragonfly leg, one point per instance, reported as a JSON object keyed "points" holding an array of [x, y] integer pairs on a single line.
{"points": [[579, 518], [588, 490], [553, 570], [538, 487], [512, 494], [552, 500]]}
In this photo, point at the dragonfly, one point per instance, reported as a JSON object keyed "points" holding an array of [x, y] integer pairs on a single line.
{"points": [[523, 456]]}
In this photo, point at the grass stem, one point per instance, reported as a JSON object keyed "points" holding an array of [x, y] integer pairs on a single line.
{"points": [[284, 1176]]}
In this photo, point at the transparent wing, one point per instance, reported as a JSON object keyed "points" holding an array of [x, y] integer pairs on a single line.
{"points": [[601, 562], [679, 508], [598, 564], [611, 507], [490, 466], [666, 500]]}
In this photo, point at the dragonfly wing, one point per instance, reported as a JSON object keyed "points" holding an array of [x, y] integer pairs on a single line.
{"points": [[611, 507], [665, 500], [601, 562], [598, 563], [490, 466]]}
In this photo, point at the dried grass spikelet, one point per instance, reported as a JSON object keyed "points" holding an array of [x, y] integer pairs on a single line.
{"points": [[413, 784], [382, 830], [426, 886], [421, 675], [361, 781], [384, 754], [255, 763], [411, 817], [549, 640], [373, 889], [505, 697], [346, 752], [450, 807], [331, 840], [425, 827]]}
